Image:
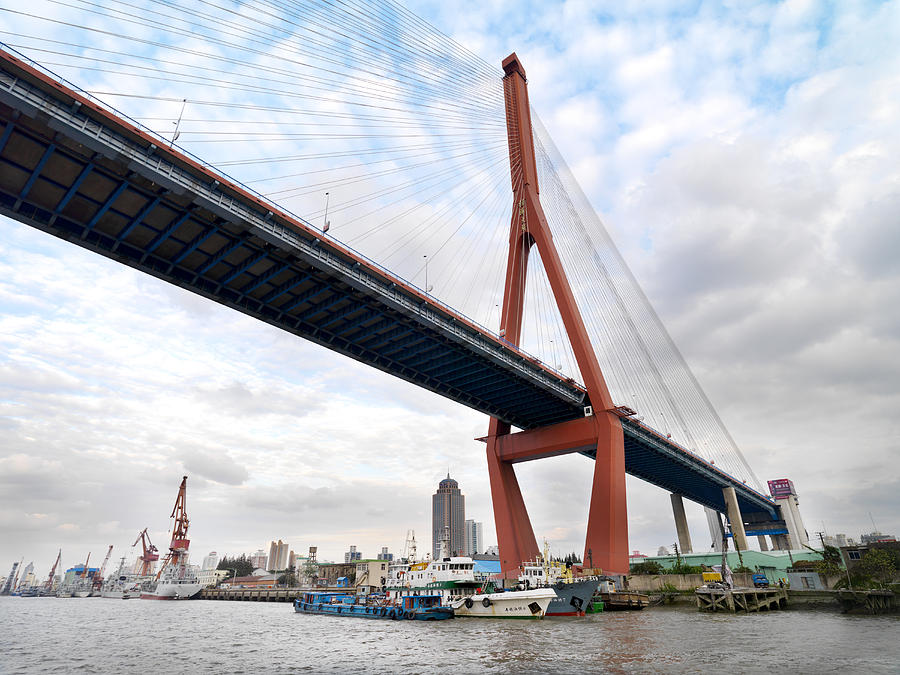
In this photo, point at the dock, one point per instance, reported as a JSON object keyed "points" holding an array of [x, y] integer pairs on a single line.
{"points": [[623, 600], [868, 602], [253, 594], [713, 599]]}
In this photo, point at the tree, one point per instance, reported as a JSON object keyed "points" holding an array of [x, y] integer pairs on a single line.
{"points": [[649, 567], [288, 578], [242, 565], [878, 564]]}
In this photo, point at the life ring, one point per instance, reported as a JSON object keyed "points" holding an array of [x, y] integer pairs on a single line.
{"points": [[410, 614], [383, 611], [367, 610], [320, 606], [469, 603], [486, 602], [392, 614]]}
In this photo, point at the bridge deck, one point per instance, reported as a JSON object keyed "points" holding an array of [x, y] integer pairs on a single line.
{"points": [[70, 167]]}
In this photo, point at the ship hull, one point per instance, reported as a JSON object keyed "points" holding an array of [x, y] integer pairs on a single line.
{"points": [[572, 599], [172, 592], [510, 605]]}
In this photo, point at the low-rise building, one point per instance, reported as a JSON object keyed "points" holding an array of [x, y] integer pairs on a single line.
{"points": [[372, 573], [211, 578]]}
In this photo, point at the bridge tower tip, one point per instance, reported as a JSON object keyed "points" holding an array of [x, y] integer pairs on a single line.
{"points": [[511, 64]]}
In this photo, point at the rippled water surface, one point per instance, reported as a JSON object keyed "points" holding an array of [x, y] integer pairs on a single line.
{"points": [[45, 635]]}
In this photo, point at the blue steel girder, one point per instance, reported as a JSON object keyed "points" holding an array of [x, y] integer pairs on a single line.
{"points": [[137, 220], [414, 358], [265, 277], [386, 338], [334, 317], [286, 287], [399, 344], [192, 245], [170, 229], [73, 189], [35, 173], [306, 296], [214, 260], [7, 132], [238, 270], [360, 320], [323, 306], [463, 370], [487, 379], [435, 365], [104, 207]]}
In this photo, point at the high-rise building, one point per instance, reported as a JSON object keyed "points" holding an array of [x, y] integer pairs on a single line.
{"points": [[474, 542], [448, 510], [384, 555], [211, 561], [278, 556], [352, 555], [259, 560]]}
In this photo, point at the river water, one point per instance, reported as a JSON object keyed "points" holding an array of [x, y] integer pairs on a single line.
{"points": [[96, 635]]}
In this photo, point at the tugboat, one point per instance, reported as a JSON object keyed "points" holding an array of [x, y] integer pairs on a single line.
{"points": [[573, 595], [415, 608], [176, 579]]}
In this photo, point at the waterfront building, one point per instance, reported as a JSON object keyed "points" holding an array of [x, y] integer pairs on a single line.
{"points": [[75, 572], [371, 573], [492, 550], [352, 555], [211, 561], [211, 577], [876, 537], [259, 559], [278, 556], [384, 555], [448, 511], [474, 539]]}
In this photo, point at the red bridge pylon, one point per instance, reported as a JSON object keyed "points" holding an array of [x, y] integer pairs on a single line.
{"points": [[606, 542]]}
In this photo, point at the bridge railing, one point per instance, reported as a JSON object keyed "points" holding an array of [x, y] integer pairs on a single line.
{"points": [[210, 168]]}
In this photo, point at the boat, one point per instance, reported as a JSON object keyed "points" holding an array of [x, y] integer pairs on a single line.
{"points": [[413, 608], [531, 604], [615, 600], [573, 594], [122, 585], [176, 579]]}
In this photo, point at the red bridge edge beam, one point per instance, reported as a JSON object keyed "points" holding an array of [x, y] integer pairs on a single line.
{"points": [[606, 541]]}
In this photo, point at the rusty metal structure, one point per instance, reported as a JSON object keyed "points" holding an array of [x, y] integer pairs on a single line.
{"points": [[150, 553], [179, 545]]}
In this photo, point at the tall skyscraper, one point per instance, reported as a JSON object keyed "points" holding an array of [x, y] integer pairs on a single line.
{"points": [[211, 561], [474, 538], [278, 556], [448, 510], [352, 555], [259, 560]]}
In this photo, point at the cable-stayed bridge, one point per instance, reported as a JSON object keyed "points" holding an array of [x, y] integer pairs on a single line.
{"points": [[76, 168]]}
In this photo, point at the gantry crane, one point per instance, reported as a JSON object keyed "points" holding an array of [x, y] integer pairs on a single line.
{"points": [[178, 547], [98, 580], [150, 554], [48, 585]]}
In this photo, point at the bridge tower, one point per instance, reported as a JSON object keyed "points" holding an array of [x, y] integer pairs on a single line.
{"points": [[606, 541]]}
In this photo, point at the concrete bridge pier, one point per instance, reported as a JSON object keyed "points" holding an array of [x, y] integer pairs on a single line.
{"points": [[735, 518], [681, 526], [714, 520], [763, 545]]}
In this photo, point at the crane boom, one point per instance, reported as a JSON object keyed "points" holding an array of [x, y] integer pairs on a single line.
{"points": [[150, 554], [179, 545], [49, 584], [99, 580]]}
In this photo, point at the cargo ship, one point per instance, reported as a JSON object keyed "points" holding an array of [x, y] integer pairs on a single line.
{"points": [[176, 579]]}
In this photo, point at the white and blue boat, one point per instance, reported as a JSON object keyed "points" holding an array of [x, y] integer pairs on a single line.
{"points": [[413, 608]]}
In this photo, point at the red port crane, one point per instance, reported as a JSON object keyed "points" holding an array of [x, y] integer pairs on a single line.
{"points": [[150, 555], [85, 570], [98, 580], [178, 548], [49, 583]]}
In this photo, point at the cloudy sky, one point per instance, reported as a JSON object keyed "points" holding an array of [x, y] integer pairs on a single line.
{"points": [[743, 158]]}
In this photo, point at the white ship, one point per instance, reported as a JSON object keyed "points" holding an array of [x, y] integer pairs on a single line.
{"points": [[122, 585], [507, 605], [176, 580]]}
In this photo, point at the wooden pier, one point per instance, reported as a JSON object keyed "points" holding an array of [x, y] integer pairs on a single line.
{"points": [[740, 599], [868, 602]]}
